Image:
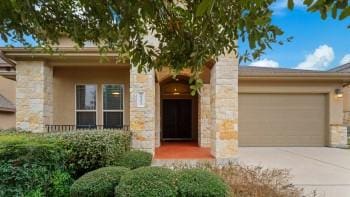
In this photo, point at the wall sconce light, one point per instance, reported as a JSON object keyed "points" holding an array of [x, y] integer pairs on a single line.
{"points": [[339, 93], [175, 92]]}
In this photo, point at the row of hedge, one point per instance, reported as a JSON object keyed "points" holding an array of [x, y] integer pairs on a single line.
{"points": [[45, 165], [149, 181], [33, 168]]}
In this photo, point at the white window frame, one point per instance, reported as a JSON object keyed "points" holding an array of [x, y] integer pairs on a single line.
{"points": [[85, 110], [112, 110]]}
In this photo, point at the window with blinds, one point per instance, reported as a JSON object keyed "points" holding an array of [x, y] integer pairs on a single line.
{"points": [[86, 106], [113, 105]]}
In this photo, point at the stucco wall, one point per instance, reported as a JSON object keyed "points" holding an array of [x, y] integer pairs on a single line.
{"points": [[8, 90], [7, 120], [346, 94], [65, 79], [346, 98]]}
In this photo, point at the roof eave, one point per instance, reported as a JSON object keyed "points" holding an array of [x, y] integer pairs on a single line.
{"points": [[3, 109], [8, 74], [343, 77], [36, 53]]}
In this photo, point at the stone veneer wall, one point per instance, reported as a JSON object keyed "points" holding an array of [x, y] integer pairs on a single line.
{"points": [[224, 109], [338, 136], [157, 122], [142, 119], [33, 95], [204, 116]]}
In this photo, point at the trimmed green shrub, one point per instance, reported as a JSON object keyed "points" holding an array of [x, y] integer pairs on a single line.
{"points": [[8, 138], [36, 164], [16, 180], [135, 159], [100, 182], [199, 182], [51, 156], [61, 182], [31, 168], [92, 149], [146, 182]]}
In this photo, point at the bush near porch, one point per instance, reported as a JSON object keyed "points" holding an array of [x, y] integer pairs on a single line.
{"points": [[33, 167], [134, 159], [92, 149], [100, 182], [44, 164]]}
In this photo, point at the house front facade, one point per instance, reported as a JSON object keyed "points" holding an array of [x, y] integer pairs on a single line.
{"points": [[237, 106]]}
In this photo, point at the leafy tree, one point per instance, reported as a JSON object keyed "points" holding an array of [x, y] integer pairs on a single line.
{"points": [[187, 33]]}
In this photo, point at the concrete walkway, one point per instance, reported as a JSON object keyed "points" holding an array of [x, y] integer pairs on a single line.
{"points": [[326, 170]]}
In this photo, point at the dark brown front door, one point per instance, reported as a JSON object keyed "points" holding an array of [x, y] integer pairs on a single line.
{"points": [[177, 119]]}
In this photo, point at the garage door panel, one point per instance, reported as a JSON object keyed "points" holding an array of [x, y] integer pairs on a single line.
{"points": [[282, 119]]}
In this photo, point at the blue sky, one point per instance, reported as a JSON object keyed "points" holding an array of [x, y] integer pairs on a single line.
{"points": [[317, 44]]}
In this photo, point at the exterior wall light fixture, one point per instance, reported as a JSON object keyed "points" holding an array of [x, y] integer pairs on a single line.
{"points": [[339, 93]]}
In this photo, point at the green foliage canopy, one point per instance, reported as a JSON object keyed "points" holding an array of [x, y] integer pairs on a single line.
{"points": [[187, 33]]}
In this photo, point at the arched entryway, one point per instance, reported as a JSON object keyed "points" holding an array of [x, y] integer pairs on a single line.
{"points": [[178, 111]]}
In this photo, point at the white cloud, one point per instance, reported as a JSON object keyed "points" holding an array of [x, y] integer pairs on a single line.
{"points": [[281, 5], [345, 59], [265, 63], [319, 59]]}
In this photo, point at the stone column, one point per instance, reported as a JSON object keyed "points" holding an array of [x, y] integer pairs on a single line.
{"points": [[142, 118], [337, 128], [157, 122], [338, 136], [33, 95], [224, 109], [204, 116]]}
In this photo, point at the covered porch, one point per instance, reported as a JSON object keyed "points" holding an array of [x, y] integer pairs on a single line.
{"points": [[77, 90]]}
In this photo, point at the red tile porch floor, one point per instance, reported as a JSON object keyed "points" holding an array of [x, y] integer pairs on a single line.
{"points": [[182, 150]]}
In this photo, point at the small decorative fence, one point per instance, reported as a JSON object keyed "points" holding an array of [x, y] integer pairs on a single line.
{"points": [[64, 128]]}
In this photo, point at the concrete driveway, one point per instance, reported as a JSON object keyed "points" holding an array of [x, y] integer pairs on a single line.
{"points": [[326, 170]]}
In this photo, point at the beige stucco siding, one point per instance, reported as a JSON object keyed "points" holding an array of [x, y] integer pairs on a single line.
{"points": [[346, 94], [8, 90], [65, 80], [7, 120]]}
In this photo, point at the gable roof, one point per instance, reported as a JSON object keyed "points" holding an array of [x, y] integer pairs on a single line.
{"points": [[6, 105], [341, 68]]}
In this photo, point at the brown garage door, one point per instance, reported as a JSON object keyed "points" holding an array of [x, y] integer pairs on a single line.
{"points": [[282, 119]]}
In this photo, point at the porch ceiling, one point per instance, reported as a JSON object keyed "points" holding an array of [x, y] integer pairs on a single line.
{"points": [[165, 74]]}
